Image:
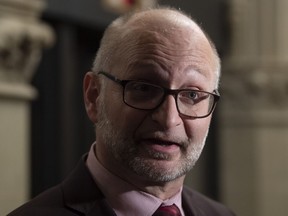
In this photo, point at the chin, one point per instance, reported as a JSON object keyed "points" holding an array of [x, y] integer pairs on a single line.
{"points": [[160, 170]]}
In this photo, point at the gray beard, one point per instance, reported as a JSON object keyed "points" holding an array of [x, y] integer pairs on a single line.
{"points": [[125, 151]]}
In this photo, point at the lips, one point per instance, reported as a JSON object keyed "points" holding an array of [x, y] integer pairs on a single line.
{"points": [[160, 142], [160, 145]]}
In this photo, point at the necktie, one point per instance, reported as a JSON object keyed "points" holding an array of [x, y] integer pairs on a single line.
{"points": [[171, 210]]}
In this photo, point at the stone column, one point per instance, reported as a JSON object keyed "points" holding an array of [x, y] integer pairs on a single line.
{"points": [[22, 38], [254, 109]]}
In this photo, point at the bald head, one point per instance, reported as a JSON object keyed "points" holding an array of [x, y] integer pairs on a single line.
{"points": [[161, 20], [163, 25]]}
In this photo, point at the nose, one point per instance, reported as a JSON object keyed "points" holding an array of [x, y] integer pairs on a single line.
{"points": [[167, 115]]}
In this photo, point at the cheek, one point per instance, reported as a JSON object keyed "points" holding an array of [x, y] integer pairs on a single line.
{"points": [[122, 117], [197, 129]]}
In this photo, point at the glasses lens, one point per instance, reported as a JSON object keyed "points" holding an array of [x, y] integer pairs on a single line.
{"points": [[142, 95], [195, 103]]}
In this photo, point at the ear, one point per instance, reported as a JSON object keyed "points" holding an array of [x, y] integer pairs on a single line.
{"points": [[91, 90]]}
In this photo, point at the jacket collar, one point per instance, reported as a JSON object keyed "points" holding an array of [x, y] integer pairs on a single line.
{"points": [[189, 203], [82, 195]]}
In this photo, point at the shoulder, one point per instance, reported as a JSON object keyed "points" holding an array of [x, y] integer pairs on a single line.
{"points": [[197, 202], [78, 194], [47, 203]]}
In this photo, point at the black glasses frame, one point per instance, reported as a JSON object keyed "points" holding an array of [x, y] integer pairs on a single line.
{"points": [[167, 91]]}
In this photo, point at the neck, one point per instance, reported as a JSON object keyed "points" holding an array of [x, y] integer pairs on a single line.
{"points": [[165, 190]]}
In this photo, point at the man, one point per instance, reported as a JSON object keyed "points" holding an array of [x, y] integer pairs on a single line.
{"points": [[150, 94]]}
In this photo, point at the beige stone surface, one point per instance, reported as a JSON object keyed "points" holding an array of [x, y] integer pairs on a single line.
{"points": [[254, 113], [22, 37], [14, 153]]}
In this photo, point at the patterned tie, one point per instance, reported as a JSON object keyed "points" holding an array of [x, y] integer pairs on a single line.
{"points": [[171, 210]]}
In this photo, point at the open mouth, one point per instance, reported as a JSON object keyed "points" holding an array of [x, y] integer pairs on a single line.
{"points": [[161, 145], [162, 142]]}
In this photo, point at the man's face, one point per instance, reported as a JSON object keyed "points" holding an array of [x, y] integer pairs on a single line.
{"points": [[159, 145]]}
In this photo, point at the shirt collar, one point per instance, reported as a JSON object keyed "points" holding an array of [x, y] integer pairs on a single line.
{"points": [[123, 197]]}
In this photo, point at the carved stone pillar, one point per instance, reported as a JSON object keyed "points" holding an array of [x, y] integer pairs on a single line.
{"points": [[254, 110], [22, 38]]}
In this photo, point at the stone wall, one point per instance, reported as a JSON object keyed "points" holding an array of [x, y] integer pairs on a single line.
{"points": [[22, 38], [254, 110]]}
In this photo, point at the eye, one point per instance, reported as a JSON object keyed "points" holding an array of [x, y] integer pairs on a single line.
{"points": [[191, 97], [137, 90], [141, 87]]}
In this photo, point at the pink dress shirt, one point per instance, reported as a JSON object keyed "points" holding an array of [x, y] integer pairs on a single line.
{"points": [[123, 197]]}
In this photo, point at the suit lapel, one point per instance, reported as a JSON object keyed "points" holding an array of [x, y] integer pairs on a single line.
{"points": [[82, 195], [189, 203]]}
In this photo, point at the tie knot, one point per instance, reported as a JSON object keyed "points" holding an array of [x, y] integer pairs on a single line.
{"points": [[171, 210]]}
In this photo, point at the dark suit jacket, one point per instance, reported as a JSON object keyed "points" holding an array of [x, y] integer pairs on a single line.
{"points": [[79, 195]]}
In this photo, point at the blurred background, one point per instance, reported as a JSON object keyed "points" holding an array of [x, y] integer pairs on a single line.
{"points": [[46, 47]]}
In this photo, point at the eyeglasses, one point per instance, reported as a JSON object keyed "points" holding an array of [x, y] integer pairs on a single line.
{"points": [[146, 96]]}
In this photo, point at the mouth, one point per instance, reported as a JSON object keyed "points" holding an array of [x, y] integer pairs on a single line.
{"points": [[161, 142], [159, 145]]}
